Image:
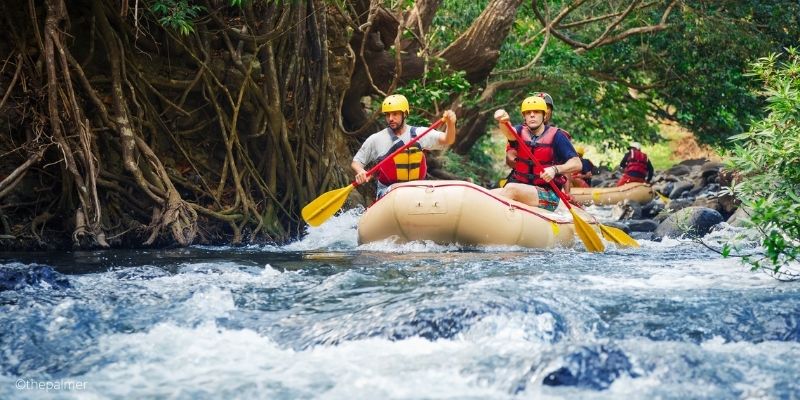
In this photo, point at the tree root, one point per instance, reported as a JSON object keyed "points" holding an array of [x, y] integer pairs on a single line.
{"points": [[239, 118]]}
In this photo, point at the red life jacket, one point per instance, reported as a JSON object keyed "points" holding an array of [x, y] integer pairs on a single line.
{"points": [[637, 164], [525, 170], [408, 165], [565, 132], [509, 145]]}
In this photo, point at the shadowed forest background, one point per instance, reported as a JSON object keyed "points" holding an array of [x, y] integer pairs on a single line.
{"points": [[130, 123]]}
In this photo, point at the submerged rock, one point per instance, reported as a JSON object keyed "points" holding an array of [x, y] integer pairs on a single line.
{"points": [[619, 225], [680, 188], [690, 221], [18, 278], [592, 368], [740, 218], [643, 225]]}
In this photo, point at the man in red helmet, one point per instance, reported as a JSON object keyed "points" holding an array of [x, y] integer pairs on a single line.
{"points": [[549, 101]]}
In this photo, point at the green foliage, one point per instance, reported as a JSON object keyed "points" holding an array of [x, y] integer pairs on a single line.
{"points": [[483, 165], [180, 15], [592, 110], [707, 52], [452, 19], [694, 71], [604, 113], [661, 155], [438, 86], [768, 157], [177, 14]]}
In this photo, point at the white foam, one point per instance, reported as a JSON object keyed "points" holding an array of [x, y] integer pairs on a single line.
{"points": [[338, 232], [170, 360], [60, 318], [270, 271], [390, 246], [211, 302]]}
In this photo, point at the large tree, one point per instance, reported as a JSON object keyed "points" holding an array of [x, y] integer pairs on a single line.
{"points": [[124, 130]]}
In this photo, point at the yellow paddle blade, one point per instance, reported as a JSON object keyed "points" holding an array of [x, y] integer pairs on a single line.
{"points": [[618, 236], [589, 237], [661, 196], [324, 206]]}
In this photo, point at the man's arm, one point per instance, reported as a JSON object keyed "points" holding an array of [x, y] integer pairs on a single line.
{"points": [[511, 156], [650, 171], [563, 148], [450, 132], [586, 169], [361, 173], [363, 156], [572, 165]]}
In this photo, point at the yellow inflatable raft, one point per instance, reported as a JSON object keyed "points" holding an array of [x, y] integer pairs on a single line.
{"points": [[635, 191], [460, 212]]}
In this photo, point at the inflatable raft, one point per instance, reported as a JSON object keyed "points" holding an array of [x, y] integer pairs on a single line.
{"points": [[463, 213], [638, 192]]}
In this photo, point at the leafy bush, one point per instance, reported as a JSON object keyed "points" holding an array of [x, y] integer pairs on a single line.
{"points": [[438, 86], [177, 15], [768, 159], [483, 165]]}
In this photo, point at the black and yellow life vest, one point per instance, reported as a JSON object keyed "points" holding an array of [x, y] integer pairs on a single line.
{"points": [[408, 165]]}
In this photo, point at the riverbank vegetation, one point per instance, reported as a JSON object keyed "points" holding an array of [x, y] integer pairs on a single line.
{"points": [[767, 159], [170, 122]]}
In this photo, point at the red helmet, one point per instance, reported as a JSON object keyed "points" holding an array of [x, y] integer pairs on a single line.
{"points": [[546, 97]]}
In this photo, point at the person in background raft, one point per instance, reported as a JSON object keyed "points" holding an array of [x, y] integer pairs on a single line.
{"points": [[582, 178], [635, 166], [552, 149], [410, 164]]}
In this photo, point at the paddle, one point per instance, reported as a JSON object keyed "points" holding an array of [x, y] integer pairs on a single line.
{"points": [[664, 198], [582, 228], [324, 206], [618, 236]]}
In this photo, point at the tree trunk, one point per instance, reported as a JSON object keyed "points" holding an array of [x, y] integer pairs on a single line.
{"points": [[477, 50], [218, 136]]}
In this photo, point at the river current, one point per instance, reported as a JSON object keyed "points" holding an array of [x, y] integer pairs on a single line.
{"points": [[326, 318]]}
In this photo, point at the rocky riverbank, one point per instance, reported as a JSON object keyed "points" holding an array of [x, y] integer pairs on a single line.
{"points": [[692, 200]]}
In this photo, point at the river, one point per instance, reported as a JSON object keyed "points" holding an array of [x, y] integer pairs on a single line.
{"points": [[325, 318]]}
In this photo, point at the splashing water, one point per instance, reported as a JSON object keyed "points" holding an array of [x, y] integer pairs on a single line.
{"points": [[324, 317]]}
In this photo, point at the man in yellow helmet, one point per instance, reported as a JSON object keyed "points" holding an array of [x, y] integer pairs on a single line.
{"points": [[511, 153], [549, 145], [410, 164]]}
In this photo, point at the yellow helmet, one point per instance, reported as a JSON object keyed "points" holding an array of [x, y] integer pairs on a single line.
{"points": [[579, 149], [533, 103], [395, 102]]}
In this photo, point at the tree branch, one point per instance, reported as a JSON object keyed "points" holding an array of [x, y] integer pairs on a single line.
{"points": [[604, 38]]}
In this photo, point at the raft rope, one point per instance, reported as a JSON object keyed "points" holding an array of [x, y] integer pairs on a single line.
{"points": [[485, 192]]}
